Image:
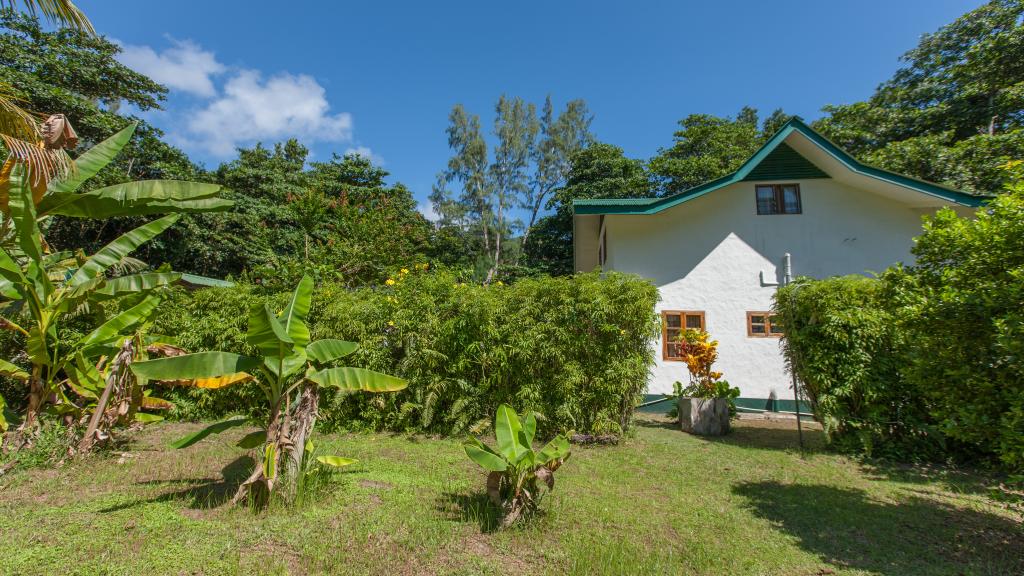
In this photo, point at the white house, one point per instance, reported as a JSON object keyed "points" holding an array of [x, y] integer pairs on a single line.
{"points": [[718, 252]]}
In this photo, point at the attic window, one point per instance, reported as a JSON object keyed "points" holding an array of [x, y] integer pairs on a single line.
{"points": [[778, 199]]}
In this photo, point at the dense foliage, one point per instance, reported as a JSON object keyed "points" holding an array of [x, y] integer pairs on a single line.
{"points": [[575, 349], [707, 147], [928, 357], [842, 341]]}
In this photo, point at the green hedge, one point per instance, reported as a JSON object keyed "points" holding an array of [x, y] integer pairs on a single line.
{"points": [[927, 360], [576, 349], [842, 340]]}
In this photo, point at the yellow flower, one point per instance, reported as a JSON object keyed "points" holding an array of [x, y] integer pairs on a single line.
{"points": [[390, 281], [500, 283], [623, 332], [405, 270], [391, 323]]}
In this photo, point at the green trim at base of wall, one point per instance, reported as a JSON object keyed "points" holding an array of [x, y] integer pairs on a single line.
{"points": [[742, 404]]}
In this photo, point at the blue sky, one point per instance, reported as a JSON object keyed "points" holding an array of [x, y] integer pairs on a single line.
{"points": [[380, 77]]}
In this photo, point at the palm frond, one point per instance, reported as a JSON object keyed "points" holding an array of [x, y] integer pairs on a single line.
{"points": [[14, 120], [44, 164], [58, 12]]}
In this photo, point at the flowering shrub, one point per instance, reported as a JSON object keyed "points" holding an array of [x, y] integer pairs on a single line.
{"points": [[700, 352]]}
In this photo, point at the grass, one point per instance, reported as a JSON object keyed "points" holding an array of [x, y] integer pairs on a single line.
{"points": [[662, 502]]}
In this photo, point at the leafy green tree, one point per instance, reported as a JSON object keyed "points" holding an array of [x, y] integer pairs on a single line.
{"points": [[516, 127], [530, 160], [708, 147], [467, 166], [597, 171], [73, 73], [371, 229], [953, 113], [19, 128]]}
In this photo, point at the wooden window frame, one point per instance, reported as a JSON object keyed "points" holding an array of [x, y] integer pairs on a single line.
{"points": [[682, 326], [779, 199], [767, 325]]}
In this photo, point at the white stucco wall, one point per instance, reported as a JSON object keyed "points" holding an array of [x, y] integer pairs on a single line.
{"points": [[710, 253]]}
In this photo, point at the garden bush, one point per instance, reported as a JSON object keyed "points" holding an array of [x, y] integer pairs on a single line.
{"points": [[574, 349], [842, 341], [927, 360]]}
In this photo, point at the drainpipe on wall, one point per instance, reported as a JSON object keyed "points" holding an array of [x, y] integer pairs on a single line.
{"points": [[787, 277]]}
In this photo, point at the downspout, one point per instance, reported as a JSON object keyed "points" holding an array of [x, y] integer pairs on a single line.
{"points": [[787, 277]]}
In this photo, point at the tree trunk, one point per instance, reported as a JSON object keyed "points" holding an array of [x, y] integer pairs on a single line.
{"points": [[497, 245], [121, 385], [259, 486], [24, 436], [303, 421]]}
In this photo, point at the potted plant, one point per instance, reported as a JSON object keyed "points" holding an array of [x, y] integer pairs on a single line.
{"points": [[707, 403]]}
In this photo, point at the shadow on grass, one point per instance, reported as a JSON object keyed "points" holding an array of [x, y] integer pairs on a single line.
{"points": [[474, 508], [959, 480], [767, 434], [846, 527], [201, 493], [772, 437]]}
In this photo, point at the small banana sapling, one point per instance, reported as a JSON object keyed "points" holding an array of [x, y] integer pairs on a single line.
{"points": [[290, 371], [517, 474]]}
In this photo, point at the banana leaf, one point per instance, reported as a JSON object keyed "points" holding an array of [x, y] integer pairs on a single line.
{"points": [[92, 161], [506, 431], [132, 284], [349, 379], [194, 366], [113, 253], [329, 349]]}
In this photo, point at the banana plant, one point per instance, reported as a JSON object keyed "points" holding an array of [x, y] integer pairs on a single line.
{"points": [[37, 301], [290, 370], [515, 470], [40, 289]]}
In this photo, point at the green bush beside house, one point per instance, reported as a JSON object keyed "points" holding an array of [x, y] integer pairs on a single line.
{"points": [[926, 361], [574, 349]]}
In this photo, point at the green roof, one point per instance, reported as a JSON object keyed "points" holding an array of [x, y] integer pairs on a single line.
{"points": [[776, 160]]}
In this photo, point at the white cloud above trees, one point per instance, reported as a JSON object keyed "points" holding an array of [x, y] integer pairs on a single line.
{"points": [[234, 107]]}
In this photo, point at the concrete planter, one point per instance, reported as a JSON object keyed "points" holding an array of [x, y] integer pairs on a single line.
{"points": [[704, 416]]}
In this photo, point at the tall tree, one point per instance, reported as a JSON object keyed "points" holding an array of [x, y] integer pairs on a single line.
{"points": [[560, 138], [954, 112], [516, 127], [69, 72], [469, 167], [19, 128]]}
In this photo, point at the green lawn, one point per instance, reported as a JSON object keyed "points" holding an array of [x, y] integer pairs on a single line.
{"points": [[662, 502]]}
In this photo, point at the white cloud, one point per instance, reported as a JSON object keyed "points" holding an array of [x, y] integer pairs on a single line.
{"points": [[184, 66], [365, 152], [251, 109], [237, 106], [427, 209]]}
